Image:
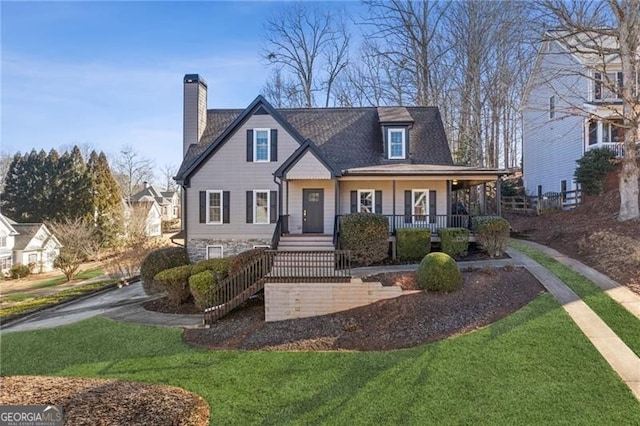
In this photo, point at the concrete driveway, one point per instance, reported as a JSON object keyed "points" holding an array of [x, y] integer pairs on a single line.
{"points": [[84, 308]]}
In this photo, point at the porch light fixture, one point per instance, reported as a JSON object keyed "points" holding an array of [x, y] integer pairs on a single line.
{"points": [[455, 181]]}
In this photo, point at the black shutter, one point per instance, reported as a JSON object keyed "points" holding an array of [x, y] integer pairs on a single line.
{"points": [[354, 201], [273, 208], [274, 144], [407, 144], [225, 207], [249, 206], [597, 88], [250, 145], [432, 206], [378, 206], [203, 206], [408, 204], [620, 85]]}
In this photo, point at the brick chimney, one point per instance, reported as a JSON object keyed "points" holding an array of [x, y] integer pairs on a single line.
{"points": [[195, 110]]}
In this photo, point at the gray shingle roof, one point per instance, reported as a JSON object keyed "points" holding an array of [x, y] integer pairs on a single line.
{"points": [[348, 137], [26, 232]]}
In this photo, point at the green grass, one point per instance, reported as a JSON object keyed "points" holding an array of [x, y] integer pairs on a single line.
{"points": [[16, 297], [621, 321], [84, 275], [529, 368], [32, 304]]}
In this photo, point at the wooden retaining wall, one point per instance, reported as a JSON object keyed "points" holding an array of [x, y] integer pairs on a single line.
{"points": [[300, 300]]}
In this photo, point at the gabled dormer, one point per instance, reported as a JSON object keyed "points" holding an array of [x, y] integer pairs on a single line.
{"points": [[395, 124]]}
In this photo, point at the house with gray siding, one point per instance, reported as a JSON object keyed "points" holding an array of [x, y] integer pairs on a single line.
{"points": [[572, 104], [261, 176]]}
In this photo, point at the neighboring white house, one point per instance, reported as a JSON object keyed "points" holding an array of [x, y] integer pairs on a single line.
{"points": [[572, 104], [146, 214], [168, 201], [7, 241], [27, 244]]}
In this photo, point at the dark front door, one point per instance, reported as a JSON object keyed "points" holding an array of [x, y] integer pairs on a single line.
{"points": [[313, 211]]}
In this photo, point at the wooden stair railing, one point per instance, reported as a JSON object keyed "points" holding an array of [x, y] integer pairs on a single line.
{"points": [[235, 289]]}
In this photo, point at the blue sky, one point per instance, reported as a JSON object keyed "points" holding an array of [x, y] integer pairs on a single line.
{"points": [[109, 74]]}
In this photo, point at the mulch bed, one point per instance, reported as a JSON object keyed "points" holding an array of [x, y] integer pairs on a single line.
{"points": [[409, 320], [164, 306], [107, 402]]}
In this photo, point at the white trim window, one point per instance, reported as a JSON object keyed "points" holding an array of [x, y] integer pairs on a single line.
{"points": [[214, 207], [3, 240], [397, 143], [366, 201], [420, 204], [215, 251], [606, 86], [261, 203], [262, 145]]}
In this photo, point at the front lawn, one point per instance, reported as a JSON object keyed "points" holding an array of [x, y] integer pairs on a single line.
{"points": [[621, 321], [533, 367]]}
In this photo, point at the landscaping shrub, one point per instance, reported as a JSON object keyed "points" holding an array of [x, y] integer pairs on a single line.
{"points": [[413, 243], [19, 271], [454, 241], [200, 284], [366, 235], [219, 267], [593, 168], [439, 272], [157, 261], [240, 260], [175, 282], [492, 233]]}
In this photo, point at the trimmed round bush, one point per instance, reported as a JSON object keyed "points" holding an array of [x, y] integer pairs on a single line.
{"points": [[219, 267], [439, 272], [158, 261], [200, 285], [175, 282], [366, 235]]}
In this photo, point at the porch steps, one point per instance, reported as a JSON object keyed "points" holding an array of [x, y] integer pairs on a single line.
{"points": [[306, 242]]}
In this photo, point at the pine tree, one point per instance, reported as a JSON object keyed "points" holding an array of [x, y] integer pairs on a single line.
{"points": [[73, 198], [14, 204], [106, 199]]}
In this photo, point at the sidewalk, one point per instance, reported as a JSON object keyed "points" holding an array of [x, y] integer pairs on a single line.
{"points": [[622, 359]]}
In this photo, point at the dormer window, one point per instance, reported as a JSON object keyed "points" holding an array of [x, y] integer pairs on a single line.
{"points": [[261, 145], [396, 138]]}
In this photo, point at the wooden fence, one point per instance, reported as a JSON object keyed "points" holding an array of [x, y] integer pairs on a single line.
{"points": [[550, 201]]}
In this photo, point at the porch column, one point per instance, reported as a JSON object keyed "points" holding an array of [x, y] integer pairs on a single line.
{"points": [[483, 199]]}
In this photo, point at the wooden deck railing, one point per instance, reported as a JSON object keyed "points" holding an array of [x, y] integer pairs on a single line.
{"points": [[276, 266], [432, 222]]}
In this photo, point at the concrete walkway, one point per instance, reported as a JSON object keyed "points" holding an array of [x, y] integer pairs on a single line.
{"points": [[622, 359], [625, 297]]}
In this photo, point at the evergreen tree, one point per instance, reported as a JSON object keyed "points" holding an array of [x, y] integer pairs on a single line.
{"points": [[106, 201], [14, 204], [73, 198]]}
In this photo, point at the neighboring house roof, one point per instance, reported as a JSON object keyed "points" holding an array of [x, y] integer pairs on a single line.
{"points": [[27, 232], [150, 194], [346, 137], [8, 223], [589, 47]]}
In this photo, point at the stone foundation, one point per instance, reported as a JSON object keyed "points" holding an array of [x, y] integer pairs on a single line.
{"points": [[197, 249]]}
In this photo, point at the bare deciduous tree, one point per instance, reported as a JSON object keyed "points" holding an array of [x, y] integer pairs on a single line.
{"points": [[168, 172], [311, 45], [80, 242], [609, 32], [131, 170]]}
